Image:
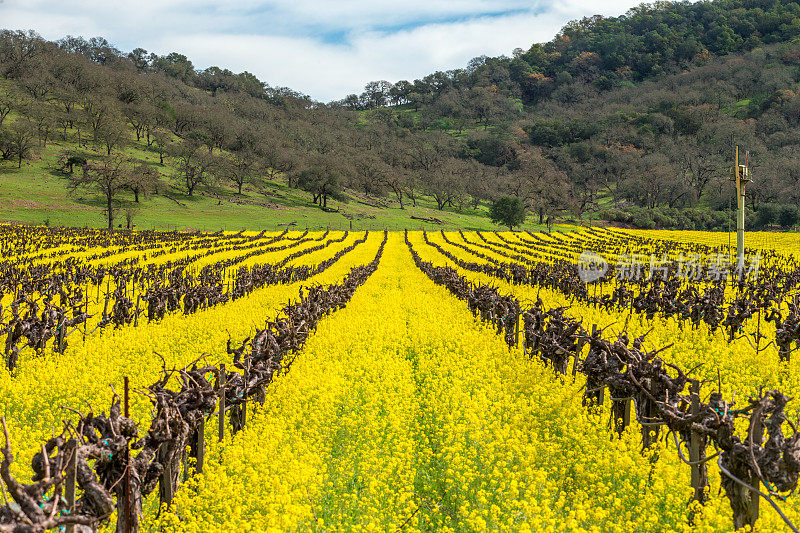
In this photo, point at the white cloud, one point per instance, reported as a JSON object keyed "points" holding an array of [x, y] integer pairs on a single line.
{"points": [[284, 41]]}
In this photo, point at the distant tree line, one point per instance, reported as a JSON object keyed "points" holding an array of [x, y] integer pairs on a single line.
{"points": [[614, 114]]}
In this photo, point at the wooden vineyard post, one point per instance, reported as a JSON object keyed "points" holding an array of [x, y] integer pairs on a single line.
{"points": [[621, 413], [578, 351], [749, 514], [86, 321], [246, 391], [69, 482], [650, 431], [166, 489], [200, 445], [60, 337], [758, 332], [126, 488], [626, 413], [105, 308], [185, 464], [221, 387], [696, 449], [136, 316]]}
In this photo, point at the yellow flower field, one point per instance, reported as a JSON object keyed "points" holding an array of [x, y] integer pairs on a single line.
{"points": [[403, 411]]}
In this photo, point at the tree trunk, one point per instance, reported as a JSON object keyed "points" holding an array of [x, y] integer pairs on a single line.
{"points": [[136, 195], [110, 212]]}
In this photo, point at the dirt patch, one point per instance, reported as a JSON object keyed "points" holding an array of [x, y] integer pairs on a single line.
{"points": [[33, 204], [28, 204]]}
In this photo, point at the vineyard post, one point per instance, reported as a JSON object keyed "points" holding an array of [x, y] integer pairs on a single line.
{"points": [[244, 400], [128, 518], [86, 321], [626, 414], [61, 335], [649, 436], [758, 332], [200, 445], [136, 317], [699, 476], [69, 482], [166, 487], [620, 412], [757, 433], [105, 308], [185, 465], [221, 387], [578, 350]]}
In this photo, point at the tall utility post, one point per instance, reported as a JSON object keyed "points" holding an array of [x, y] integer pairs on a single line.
{"points": [[741, 174]]}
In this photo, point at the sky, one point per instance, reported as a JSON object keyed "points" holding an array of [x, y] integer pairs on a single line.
{"points": [[324, 48]]}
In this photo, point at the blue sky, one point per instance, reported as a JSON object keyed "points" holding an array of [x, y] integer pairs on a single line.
{"points": [[324, 48]]}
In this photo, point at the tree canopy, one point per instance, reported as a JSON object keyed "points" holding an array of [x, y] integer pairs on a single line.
{"points": [[508, 211]]}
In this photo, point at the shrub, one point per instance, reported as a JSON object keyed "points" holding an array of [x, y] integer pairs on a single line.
{"points": [[788, 216], [767, 214]]}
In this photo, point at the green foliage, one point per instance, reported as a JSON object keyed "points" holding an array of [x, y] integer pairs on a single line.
{"points": [[322, 182], [766, 215], [789, 216], [508, 211], [491, 150], [554, 132], [784, 215], [672, 218]]}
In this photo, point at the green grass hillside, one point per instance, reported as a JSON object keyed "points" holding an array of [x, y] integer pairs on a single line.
{"points": [[38, 193]]}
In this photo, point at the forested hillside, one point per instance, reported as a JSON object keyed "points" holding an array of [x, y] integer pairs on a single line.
{"points": [[631, 119]]}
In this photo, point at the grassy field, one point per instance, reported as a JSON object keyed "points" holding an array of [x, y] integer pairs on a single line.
{"points": [[39, 194]]}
